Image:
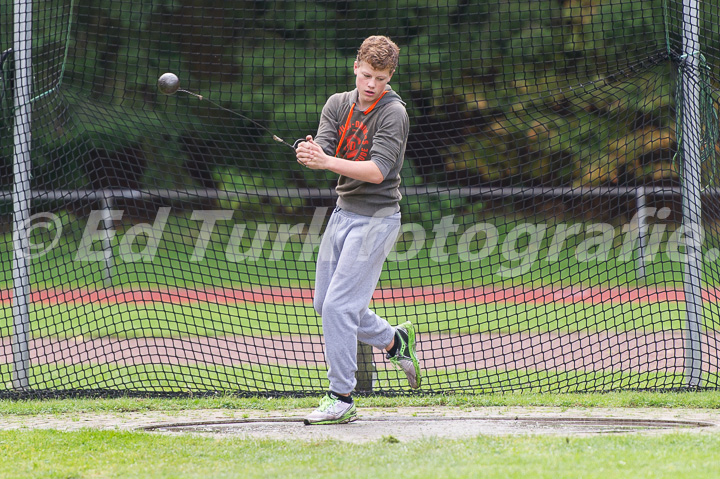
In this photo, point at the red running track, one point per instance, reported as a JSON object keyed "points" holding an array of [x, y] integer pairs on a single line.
{"points": [[427, 295]]}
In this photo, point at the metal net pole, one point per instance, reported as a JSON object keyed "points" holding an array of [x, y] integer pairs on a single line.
{"points": [[691, 179], [21, 194]]}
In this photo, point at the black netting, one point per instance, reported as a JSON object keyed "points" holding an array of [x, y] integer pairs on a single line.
{"points": [[560, 194]]}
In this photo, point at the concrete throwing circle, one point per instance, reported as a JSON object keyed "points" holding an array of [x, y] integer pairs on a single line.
{"points": [[402, 428]]}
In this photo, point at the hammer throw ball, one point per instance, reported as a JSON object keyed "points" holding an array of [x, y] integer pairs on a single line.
{"points": [[168, 83]]}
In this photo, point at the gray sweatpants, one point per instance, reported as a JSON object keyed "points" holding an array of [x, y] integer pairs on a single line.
{"points": [[350, 260]]}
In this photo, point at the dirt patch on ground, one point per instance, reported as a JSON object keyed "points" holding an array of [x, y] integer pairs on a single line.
{"points": [[402, 424]]}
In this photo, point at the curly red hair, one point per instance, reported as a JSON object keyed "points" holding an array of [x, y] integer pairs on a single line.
{"points": [[380, 52]]}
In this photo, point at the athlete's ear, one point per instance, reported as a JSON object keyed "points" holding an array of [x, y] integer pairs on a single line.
{"points": [[355, 66]]}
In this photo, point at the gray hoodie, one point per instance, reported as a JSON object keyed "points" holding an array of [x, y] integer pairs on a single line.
{"points": [[378, 134]]}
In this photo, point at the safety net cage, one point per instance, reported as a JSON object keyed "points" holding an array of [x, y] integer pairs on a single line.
{"points": [[560, 210]]}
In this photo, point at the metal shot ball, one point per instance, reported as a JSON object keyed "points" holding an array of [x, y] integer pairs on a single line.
{"points": [[168, 83]]}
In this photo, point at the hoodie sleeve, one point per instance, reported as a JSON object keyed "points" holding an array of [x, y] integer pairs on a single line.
{"points": [[327, 136], [389, 140]]}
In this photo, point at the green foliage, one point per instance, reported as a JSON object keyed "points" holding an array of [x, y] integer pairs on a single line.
{"points": [[241, 189], [500, 84]]}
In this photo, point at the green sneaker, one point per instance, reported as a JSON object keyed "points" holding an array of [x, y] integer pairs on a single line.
{"points": [[405, 357], [332, 411]]}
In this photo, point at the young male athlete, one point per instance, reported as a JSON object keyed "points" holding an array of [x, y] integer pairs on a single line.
{"points": [[362, 137]]}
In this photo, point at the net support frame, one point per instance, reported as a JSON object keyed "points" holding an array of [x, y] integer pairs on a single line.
{"points": [[106, 205], [22, 39], [366, 374], [691, 187], [642, 231]]}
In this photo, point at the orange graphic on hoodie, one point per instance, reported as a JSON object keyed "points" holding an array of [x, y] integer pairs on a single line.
{"points": [[357, 145]]}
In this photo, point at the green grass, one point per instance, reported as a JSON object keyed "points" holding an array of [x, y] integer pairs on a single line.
{"points": [[269, 379], [161, 378], [172, 266], [111, 454], [709, 400], [127, 320]]}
